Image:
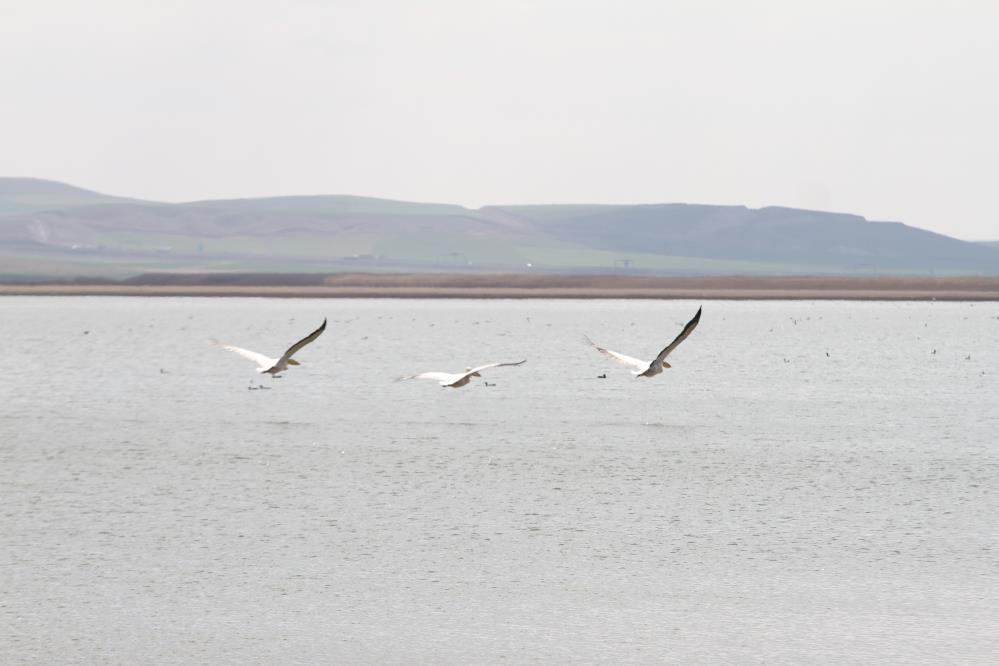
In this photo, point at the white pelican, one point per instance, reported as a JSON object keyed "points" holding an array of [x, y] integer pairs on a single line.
{"points": [[654, 367], [458, 379], [276, 365]]}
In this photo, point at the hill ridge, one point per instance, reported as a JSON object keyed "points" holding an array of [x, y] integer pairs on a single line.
{"points": [[79, 230]]}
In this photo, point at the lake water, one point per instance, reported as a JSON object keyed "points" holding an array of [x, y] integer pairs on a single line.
{"points": [[809, 484]]}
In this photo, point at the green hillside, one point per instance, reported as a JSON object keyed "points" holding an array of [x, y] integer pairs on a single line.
{"points": [[26, 195], [54, 229]]}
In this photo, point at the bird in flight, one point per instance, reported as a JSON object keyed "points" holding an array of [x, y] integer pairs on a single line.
{"points": [[652, 368], [457, 379], [276, 365]]}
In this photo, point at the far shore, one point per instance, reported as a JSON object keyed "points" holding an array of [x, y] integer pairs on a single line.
{"points": [[528, 286]]}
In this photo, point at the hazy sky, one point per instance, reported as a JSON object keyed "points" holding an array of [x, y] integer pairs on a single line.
{"points": [[887, 109]]}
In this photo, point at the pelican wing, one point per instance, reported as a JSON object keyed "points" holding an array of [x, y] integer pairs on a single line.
{"points": [[439, 376], [304, 341], [636, 363], [687, 330], [261, 360], [491, 365]]}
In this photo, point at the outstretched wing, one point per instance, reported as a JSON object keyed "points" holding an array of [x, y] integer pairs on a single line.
{"points": [[691, 325], [491, 365], [636, 363], [439, 376], [452, 378], [304, 341], [261, 360]]}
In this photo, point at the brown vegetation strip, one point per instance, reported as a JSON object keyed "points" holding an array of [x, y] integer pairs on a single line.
{"points": [[531, 286]]}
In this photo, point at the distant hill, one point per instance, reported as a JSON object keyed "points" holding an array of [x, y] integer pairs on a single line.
{"points": [[49, 228], [25, 195], [772, 235]]}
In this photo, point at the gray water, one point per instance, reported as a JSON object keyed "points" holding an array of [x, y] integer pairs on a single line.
{"points": [[809, 484]]}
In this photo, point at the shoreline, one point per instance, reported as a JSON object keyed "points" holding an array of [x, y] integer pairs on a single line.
{"points": [[527, 287]]}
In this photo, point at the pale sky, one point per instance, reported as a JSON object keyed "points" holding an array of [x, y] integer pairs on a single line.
{"points": [[886, 109]]}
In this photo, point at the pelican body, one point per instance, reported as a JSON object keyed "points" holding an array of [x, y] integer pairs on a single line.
{"points": [[457, 379], [274, 366], [654, 367]]}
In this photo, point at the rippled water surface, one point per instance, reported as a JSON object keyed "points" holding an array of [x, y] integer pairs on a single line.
{"points": [[812, 483]]}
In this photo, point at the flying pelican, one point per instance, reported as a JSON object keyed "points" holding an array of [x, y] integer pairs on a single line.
{"points": [[276, 365], [459, 379], [651, 368]]}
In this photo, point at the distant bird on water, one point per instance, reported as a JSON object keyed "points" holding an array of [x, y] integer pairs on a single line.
{"points": [[457, 379], [655, 366], [276, 365]]}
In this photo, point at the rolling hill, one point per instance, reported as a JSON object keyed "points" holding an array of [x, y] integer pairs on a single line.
{"points": [[27, 195], [54, 229]]}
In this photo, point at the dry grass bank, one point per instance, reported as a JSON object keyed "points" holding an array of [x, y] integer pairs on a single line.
{"points": [[362, 285]]}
